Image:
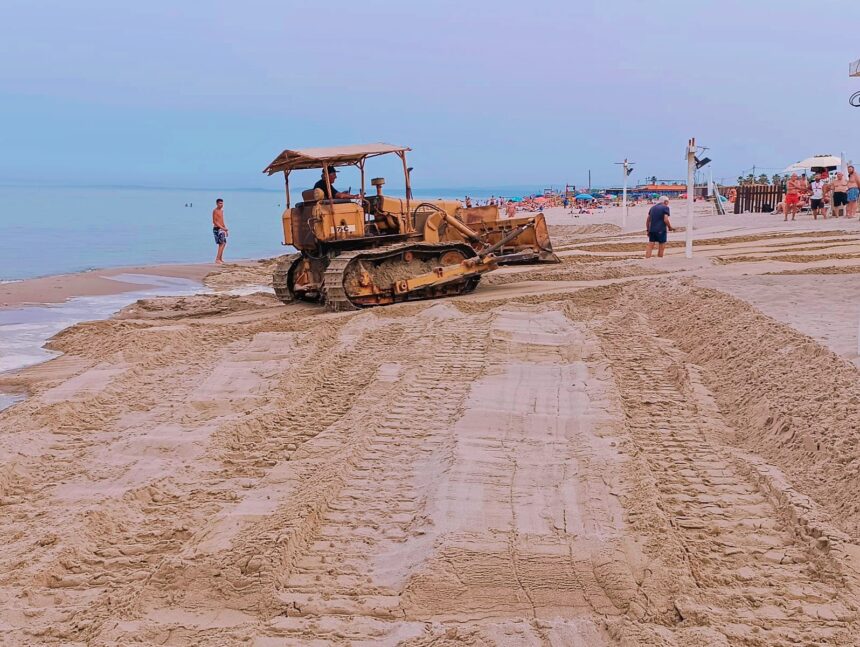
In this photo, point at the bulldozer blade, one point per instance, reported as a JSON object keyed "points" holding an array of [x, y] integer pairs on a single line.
{"points": [[531, 245]]}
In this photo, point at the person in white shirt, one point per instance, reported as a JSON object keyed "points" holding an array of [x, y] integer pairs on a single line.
{"points": [[817, 197]]}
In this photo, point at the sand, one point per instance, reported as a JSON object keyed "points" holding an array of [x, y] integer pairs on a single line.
{"points": [[604, 452]]}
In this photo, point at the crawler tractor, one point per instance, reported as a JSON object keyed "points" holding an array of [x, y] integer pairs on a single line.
{"points": [[377, 249]]}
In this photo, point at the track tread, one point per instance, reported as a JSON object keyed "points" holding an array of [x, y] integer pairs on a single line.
{"points": [[336, 298], [280, 278]]}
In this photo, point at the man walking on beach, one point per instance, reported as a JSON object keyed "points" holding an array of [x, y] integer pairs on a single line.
{"points": [[656, 225], [511, 209], [219, 230]]}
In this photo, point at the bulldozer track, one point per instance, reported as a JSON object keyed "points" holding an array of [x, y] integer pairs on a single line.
{"points": [[753, 578], [280, 277], [379, 508], [336, 298]]}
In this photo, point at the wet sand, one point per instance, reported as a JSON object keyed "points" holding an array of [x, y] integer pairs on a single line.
{"points": [[60, 288], [610, 451]]}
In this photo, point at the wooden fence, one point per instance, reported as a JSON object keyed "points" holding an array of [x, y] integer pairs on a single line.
{"points": [[752, 197]]}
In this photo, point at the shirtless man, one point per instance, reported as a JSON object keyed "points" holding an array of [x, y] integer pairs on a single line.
{"points": [[838, 189], [853, 191], [511, 209], [795, 187], [219, 230]]}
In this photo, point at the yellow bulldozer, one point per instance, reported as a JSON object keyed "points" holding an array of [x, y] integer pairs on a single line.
{"points": [[367, 250]]}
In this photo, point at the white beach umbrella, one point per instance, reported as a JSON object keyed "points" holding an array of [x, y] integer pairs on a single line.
{"points": [[824, 161]]}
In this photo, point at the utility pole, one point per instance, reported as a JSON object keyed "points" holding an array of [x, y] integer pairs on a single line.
{"points": [[691, 188], [627, 169]]}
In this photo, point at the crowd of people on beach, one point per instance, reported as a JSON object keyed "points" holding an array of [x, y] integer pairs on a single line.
{"points": [[837, 195]]}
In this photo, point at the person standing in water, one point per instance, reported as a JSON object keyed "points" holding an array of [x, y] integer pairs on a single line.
{"points": [[219, 230]]}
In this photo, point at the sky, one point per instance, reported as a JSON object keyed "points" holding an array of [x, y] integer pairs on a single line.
{"points": [[486, 93]]}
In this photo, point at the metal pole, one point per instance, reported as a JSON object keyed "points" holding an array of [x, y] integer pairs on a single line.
{"points": [[624, 199], [691, 187]]}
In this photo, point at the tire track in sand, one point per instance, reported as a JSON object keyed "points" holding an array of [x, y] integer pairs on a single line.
{"points": [[340, 588], [755, 583]]}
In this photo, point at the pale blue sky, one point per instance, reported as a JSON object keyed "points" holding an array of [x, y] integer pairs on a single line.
{"points": [[486, 93]]}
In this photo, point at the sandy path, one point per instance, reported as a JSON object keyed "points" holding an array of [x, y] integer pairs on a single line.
{"points": [[568, 456]]}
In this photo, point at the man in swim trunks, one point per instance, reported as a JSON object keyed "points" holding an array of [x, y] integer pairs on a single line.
{"points": [[656, 225], [839, 194], [219, 230], [853, 191], [794, 188]]}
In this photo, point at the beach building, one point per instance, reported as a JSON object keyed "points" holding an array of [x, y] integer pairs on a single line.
{"points": [[671, 188]]}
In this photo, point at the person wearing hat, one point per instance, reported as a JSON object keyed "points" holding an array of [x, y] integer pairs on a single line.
{"points": [[656, 225], [323, 186]]}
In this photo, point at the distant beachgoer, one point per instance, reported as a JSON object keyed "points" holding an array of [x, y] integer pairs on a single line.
{"points": [[792, 196], [656, 225], [468, 202], [219, 229], [511, 209], [817, 196], [838, 189], [853, 191]]}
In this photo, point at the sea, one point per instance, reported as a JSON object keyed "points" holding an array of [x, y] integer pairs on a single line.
{"points": [[59, 230]]}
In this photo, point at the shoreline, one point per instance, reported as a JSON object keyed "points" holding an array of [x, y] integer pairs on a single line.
{"points": [[60, 288]]}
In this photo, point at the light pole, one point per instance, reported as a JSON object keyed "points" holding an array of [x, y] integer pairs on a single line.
{"points": [[628, 169], [691, 188]]}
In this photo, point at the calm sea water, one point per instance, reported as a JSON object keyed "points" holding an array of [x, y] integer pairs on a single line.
{"points": [[60, 230]]}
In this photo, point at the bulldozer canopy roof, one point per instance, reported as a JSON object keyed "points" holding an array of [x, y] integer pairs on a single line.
{"points": [[334, 156]]}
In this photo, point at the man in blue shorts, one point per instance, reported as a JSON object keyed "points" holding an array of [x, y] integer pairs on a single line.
{"points": [[219, 229], [656, 225]]}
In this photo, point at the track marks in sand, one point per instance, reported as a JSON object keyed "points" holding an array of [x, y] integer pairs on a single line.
{"points": [[754, 582]]}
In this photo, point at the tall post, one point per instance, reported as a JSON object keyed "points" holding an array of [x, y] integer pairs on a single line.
{"points": [[691, 188], [624, 199]]}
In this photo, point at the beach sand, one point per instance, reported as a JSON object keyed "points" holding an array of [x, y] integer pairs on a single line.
{"points": [[609, 451]]}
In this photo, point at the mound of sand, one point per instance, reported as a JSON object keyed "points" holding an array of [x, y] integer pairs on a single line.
{"points": [[791, 400], [234, 275], [198, 305]]}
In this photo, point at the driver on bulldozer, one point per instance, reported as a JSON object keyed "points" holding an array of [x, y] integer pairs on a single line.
{"points": [[332, 176]]}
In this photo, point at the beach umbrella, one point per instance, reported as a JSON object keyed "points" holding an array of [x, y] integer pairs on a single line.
{"points": [[828, 162], [584, 196]]}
